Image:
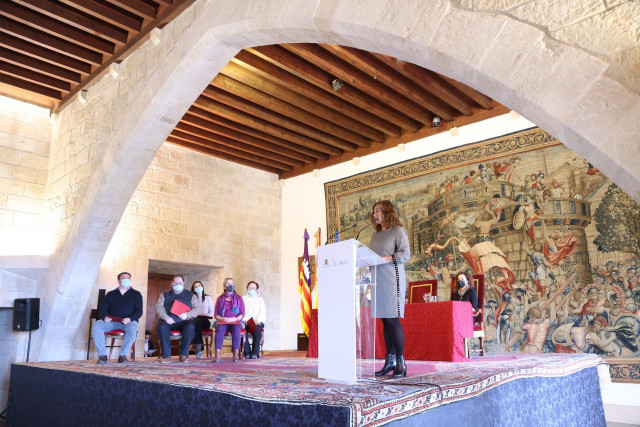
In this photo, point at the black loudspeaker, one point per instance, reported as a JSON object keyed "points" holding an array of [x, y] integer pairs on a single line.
{"points": [[26, 314]]}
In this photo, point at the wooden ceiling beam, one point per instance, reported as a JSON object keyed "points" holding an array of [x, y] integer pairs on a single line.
{"points": [[34, 64], [352, 76], [276, 74], [231, 150], [274, 117], [209, 139], [193, 125], [55, 28], [299, 100], [34, 77], [305, 154], [272, 103], [31, 87], [44, 54], [322, 79], [101, 10], [144, 10], [482, 99], [48, 41], [221, 155], [77, 19], [296, 158], [234, 114], [430, 81], [383, 73], [136, 40]]}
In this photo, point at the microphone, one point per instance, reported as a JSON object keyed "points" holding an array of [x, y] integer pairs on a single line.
{"points": [[368, 225], [340, 232]]}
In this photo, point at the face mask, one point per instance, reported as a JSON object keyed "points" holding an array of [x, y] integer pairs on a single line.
{"points": [[463, 283], [178, 287], [368, 297], [230, 288], [198, 290], [125, 283], [252, 292]]}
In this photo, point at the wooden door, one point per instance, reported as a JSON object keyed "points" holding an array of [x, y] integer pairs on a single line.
{"points": [[157, 284]]}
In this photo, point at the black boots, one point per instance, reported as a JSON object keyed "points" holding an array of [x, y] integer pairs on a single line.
{"points": [[389, 365], [400, 370]]}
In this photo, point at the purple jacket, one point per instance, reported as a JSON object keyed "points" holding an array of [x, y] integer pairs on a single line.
{"points": [[237, 306]]}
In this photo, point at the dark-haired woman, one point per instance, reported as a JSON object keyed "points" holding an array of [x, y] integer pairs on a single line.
{"points": [[466, 290], [201, 322], [391, 242]]}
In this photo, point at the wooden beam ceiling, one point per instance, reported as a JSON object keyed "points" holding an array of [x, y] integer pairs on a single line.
{"points": [[286, 109]]}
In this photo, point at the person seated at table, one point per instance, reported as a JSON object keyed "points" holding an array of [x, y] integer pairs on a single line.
{"points": [[466, 290], [254, 308], [201, 322], [229, 311]]}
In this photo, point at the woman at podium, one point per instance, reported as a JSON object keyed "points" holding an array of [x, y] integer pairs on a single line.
{"points": [[391, 242]]}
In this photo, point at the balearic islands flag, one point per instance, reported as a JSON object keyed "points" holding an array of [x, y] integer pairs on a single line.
{"points": [[304, 288]]}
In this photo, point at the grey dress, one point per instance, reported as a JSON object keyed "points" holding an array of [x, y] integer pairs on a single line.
{"points": [[389, 294]]}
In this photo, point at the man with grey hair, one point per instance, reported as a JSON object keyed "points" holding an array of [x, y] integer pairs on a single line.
{"points": [[176, 309]]}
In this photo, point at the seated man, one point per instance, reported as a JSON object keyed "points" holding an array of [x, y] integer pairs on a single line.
{"points": [[254, 308], [183, 321], [121, 309]]}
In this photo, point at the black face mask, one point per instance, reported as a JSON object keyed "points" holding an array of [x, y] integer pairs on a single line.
{"points": [[230, 288]]}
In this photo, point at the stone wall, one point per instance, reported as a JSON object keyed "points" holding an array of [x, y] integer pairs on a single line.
{"points": [[194, 210]]}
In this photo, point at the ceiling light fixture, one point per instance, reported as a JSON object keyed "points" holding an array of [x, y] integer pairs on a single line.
{"points": [[154, 35], [316, 172], [337, 84], [401, 148], [82, 96], [356, 161], [514, 115], [454, 131], [114, 70]]}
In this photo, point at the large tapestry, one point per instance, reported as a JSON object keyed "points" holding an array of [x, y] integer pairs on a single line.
{"points": [[557, 241]]}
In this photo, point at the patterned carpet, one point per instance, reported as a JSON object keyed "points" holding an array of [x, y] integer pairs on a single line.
{"points": [[290, 379]]}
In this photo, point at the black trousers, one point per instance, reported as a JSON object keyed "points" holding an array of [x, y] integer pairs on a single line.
{"points": [[185, 326], [200, 323], [257, 337]]}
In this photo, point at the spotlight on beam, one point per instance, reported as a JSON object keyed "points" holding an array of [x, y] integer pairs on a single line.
{"points": [[337, 84]]}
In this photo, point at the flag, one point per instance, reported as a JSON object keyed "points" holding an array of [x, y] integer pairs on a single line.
{"points": [[304, 288], [314, 295]]}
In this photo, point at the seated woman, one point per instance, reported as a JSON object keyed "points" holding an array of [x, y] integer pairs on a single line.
{"points": [[466, 290], [201, 322], [256, 309], [229, 311]]}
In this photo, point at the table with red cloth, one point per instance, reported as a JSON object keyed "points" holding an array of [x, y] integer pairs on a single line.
{"points": [[433, 331]]}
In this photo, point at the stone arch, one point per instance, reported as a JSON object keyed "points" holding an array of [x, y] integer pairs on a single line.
{"points": [[562, 88]]}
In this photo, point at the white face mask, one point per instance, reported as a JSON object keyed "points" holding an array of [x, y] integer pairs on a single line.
{"points": [[198, 290], [178, 287], [252, 292], [125, 283]]}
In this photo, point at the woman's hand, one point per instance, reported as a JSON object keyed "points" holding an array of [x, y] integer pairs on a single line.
{"points": [[388, 258]]}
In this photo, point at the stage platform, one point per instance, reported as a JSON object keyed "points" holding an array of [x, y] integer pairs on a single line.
{"points": [[282, 388]]}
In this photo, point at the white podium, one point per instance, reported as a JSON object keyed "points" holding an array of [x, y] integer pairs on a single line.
{"points": [[346, 330]]}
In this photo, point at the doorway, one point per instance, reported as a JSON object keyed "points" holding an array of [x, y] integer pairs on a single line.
{"points": [[156, 284]]}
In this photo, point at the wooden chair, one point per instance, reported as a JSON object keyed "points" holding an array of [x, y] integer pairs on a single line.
{"points": [[118, 334], [419, 288], [478, 323], [207, 340]]}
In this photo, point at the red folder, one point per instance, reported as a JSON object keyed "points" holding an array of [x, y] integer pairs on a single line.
{"points": [[251, 326], [115, 318], [179, 307]]}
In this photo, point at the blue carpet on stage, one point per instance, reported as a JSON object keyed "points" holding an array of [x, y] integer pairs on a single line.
{"points": [[543, 389]]}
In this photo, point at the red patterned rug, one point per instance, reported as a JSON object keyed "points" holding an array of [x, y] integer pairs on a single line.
{"points": [[288, 377]]}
